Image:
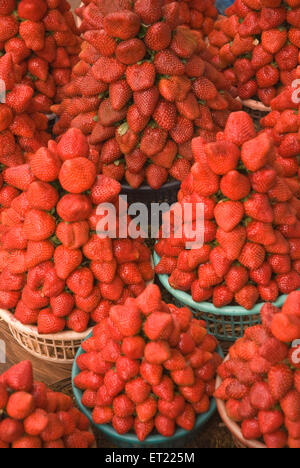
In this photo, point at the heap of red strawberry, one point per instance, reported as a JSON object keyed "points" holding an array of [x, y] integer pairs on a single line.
{"points": [[251, 222], [55, 270], [258, 43], [22, 126], [261, 378], [198, 14], [148, 366], [42, 38], [32, 416], [142, 90], [283, 125]]}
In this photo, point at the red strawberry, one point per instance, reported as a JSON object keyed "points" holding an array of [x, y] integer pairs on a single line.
{"points": [[164, 425], [149, 11], [138, 390], [143, 429], [123, 24], [20, 405], [38, 225], [228, 215], [10, 430], [49, 324], [280, 379], [19, 377]]}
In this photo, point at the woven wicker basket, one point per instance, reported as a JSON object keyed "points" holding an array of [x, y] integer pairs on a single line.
{"points": [[233, 427], [61, 348], [256, 109]]}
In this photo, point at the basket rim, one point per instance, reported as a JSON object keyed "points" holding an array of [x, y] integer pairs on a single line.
{"points": [[109, 431], [68, 335], [208, 307], [255, 105], [233, 427], [147, 189]]}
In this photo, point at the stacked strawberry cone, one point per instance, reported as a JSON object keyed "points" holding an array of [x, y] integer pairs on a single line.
{"points": [[261, 378], [35, 417], [142, 91], [22, 128], [251, 222], [283, 125], [258, 46], [197, 14], [148, 366], [42, 38], [56, 271]]}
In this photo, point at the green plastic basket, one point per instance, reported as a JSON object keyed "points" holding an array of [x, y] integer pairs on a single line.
{"points": [[178, 440], [226, 323]]}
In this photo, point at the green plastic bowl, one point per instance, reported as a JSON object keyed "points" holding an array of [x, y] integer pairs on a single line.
{"points": [[225, 323], [179, 439]]}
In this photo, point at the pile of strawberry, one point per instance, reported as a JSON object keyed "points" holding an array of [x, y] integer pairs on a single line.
{"points": [[142, 90], [22, 126], [251, 222], [33, 417], [198, 14], [258, 44], [43, 40], [148, 366], [283, 125], [56, 271], [261, 378]]}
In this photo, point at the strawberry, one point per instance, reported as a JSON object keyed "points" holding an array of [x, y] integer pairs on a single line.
{"points": [[127, 319], [20, 405], [81, 282], [250, 429], [49, 324], [27, 442], [164, 425], [166, 62], [239, 128], [276, 439], [146, 410], [261, 397], [42, 196], [156, 175], [140, 77], [45, 165], [137, 390], [149, 11], [36, 423], [19, 177], [143, 429], [102, 415], [235, 186], [38, 225], [62, 305], [131, 51], [108, 69], [158, 37], [10, 430], [9, 27], [232, 242], [252, 256], [122, 425], [19, 377], [290, 405], [123, 25], [228, 215], [280, 379], [127, 368], [77, 175], [123, 407]]}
